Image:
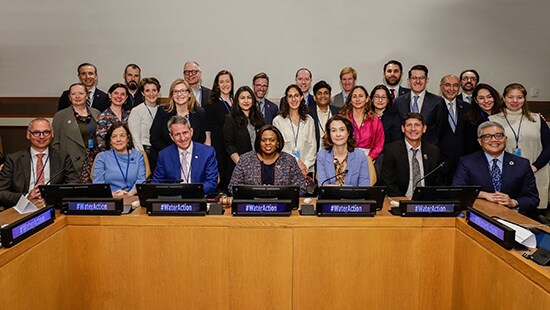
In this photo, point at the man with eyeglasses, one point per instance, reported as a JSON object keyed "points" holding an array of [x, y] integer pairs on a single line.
{"points": [[468, 81], [193, 75], [431, 106], [25, 170], [97, 99], [505, 178], [260, 84]]}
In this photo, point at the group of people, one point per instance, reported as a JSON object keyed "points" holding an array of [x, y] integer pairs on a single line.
{"points": [[221, 137]]}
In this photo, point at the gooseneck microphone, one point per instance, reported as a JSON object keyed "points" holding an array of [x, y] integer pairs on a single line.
{"points": [[63, 170], [441, 165], [334, 177]]}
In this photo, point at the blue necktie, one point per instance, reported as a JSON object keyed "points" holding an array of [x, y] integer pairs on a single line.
{"points": [[496, 176], [415, 105]]}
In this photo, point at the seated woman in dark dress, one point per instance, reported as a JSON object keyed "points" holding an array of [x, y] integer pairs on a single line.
{"points": [[267, 163]]}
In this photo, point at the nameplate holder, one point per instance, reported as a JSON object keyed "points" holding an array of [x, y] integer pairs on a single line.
{"points": [[23, 228], [177, 207], [261, 207], [416, 208], [346, 208], [491, 228], [92, 206]]}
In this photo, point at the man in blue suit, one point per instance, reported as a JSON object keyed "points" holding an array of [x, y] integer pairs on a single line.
{"points": [[269, 110], [505, 179], [186, 161]]}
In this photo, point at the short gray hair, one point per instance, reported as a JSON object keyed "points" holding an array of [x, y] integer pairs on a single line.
{"points": [[178, 119], [38, 119], [488, 124]]}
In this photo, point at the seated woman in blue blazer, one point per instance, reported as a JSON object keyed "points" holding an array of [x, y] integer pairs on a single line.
{"points": [[340, 156], [121, 165]]}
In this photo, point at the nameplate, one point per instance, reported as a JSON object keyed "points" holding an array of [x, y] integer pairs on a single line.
{"points": [[179, 207], [92, 206], [491, 228], [261, 207], [20, 230], [352, 208], [415, 208]]}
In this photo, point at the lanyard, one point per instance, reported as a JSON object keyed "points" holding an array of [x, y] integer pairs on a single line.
{"points": [[319, 120], [226, 105], [295, 135], [149, 110], [125, 177], [516, 136], [41, 171]]}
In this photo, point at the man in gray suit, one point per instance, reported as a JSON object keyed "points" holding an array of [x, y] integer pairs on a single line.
{"points": [[193, 75], [23, 171], [348, 77]]}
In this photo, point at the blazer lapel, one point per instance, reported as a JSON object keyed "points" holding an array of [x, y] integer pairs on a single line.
{"points": [[25, 162], [351, 159]]}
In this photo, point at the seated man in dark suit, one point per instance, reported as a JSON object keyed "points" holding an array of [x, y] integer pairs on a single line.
{"points": [[505, 179], [186, 161], [87, 74], [322, 110], [23, 171], [260, 83], [431, 106], [407, 161]]}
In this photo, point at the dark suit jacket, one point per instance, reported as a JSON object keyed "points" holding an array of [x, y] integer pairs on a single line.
{"points": [[131, 102], [395, 166], [452, 144], [518, 180], [338, 100], [312, 110], [403, 91], [236, 140], [204, 167], [101, 101], [462, 97], [392, 126], [16, 173], [205, 96], [271, 110], [433, 110]]}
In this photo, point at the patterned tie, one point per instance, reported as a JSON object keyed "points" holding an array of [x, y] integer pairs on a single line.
{"points": [[39, 169], [392, 94], [184, 171], [415, 168], [415, 105], [89, 99], [469, 99], [496, 176], [452, 116]]}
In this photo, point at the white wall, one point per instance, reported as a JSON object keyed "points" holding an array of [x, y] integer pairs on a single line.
{"points": [[42, 42]]}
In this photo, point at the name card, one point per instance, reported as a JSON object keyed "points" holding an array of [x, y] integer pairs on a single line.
{"points": [[261, 208], [171, 207], [491, 228], [92, 206], [429, 208], [26, 227], [346, 207]]}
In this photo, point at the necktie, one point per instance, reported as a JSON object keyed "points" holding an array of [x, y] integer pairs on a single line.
{"points": [[89, 99], [392, 94], [415, 168], [496, 176], [452, 116], [415, 105], [184, 170], [39, 169], [469, 99]]}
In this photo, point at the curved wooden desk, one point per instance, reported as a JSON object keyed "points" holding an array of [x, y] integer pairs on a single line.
{"points": [[223, 262]]}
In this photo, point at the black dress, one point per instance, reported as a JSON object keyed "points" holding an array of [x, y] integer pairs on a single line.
{"points": [[215, 121]]}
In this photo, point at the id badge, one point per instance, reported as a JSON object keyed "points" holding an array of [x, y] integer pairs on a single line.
{"points": [[90, 143], [517, 151], [296, 153]]}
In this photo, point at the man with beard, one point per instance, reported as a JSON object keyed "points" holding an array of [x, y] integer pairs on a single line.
{"points": [[132, 77], [260, 83], [193, 75], [452, 144], [468, 81], [392, 78], [87, 74], [348, 76]]}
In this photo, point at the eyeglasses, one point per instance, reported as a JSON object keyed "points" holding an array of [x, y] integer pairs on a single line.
{"points": [[418, 78], [180, 92], [467, 78], [45, 133], [190, 72], [497, 136], [381, 98]]}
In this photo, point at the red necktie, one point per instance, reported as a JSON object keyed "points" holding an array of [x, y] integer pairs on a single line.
{"points": [[392, 94], [39, 169]]}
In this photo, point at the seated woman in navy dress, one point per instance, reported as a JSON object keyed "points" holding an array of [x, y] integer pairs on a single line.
{"points": [[267, 164], [340, 163], [121, 165]]}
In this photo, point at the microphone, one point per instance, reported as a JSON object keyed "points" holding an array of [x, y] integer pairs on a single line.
{"points": [[441, 165], [334, 177], [63, 170], [312, 188]]}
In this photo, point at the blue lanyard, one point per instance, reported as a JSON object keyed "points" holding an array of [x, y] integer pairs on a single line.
{"points": [[41, 171], [125, 177], [516, 135], [227, 106]]}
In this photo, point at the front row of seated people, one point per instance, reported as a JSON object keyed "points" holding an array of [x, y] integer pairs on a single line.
{"points": [[504, 178]]}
